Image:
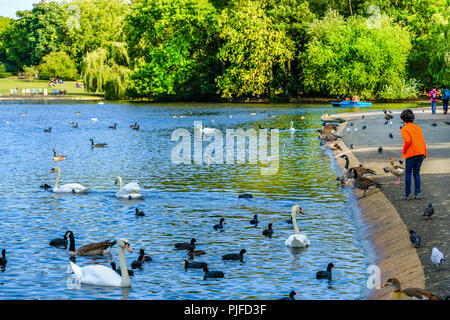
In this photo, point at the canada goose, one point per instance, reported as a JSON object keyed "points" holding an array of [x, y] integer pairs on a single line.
{"points": [[97, 145], [60, 242], [48, 130], [219, 225], [212, 274], [409, 293], [57, 158], [75, 126], [325, 274], [398, 171], [268, 232], [235, 256], [99, 275], [113, 266], [185, 245], [136, 128], [91, 249], [291, 296], [23, 114], [194, 264], [363, 183], [133, 125], [114, 127]]}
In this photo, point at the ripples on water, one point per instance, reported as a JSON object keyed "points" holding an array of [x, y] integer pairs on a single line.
{"points": [[181, 201]]}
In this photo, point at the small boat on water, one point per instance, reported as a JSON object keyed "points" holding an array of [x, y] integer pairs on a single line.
{"points": [[350, 103]]}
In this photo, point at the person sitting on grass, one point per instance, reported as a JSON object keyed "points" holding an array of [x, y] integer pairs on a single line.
{"points": [[414, 151]]}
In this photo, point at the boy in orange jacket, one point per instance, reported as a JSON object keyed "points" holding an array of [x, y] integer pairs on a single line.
{"points": [[414, 151]]}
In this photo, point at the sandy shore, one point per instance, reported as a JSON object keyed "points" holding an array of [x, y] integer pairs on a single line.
{"points": [[384, 218]]}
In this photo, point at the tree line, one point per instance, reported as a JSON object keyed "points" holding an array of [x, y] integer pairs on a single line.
{"points": [[224, 50]]}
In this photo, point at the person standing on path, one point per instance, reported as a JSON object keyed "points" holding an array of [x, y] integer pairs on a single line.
{"points": [[445, 96], [414, 151], [434, 95]]}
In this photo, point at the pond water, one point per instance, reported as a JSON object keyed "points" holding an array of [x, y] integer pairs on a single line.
{"points": [[181, 201]]}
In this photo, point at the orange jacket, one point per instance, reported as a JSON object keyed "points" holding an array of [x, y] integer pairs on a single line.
{"points": [[413, 141]]}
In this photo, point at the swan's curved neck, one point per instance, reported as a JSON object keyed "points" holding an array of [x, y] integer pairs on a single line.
{"points": [[126, 282], [120, 182], [58, 174], [294, 222]]}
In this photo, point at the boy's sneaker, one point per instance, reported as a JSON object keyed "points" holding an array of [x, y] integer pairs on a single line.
{"points": [[407, 197], [418, 196]]}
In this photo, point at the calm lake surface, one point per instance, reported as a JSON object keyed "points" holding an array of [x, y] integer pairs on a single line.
{"points": [[181, 201]]}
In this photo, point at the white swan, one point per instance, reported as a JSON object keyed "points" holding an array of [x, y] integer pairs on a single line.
{"points": [[70, 187], [98, 275], [297, 239], [129, 191], [206, 131], [292, 129]]}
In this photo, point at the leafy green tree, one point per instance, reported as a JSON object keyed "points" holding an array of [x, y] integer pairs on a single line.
{"points": [[439, 66], [5, 25], [58, 65], [35, 33], [30, 72], [252, 47], [346, 56], [105, 71], [93, 24], [172, 44]]}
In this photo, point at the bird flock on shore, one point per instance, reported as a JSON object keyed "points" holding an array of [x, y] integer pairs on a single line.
{"points": [[357, 178]]}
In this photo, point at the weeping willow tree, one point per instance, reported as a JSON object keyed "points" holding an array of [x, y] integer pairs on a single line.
{"points": [[105, 71]]}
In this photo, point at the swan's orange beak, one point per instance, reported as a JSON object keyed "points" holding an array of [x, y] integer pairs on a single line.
{"points": [[301, 211], [51, 171], [127, 246]]}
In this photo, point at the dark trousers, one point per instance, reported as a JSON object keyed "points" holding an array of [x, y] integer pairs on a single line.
{"points": [[445, 105], [413, 169]]}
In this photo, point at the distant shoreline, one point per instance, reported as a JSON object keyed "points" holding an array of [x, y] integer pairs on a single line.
{"points": [[35, 98]]}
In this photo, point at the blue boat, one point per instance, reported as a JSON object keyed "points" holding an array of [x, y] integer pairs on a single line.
{"points": [[350, 103]]}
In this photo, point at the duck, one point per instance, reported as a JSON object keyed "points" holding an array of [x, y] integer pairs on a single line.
{"points": [[139, 213], [114, 127], [60, 242], [235, 256], [57, 158], [192, 252], [97, 145], [75, 126], [66, 188], [437, 258], [137, 264], [297, 240], [48, 130], [45, 186], [414, 237], [99, 275], [409, 293], [429, 211], [219, 226], [334, 147], [387, 116], [396, 170], [291, 296], [269, 231], [145, 258], [325, 274], [3, 260], [129, 191], [185, 245], [113, 266], [194, 264], [212, 274], [91, 249], [364, 183], [254, 220]]}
